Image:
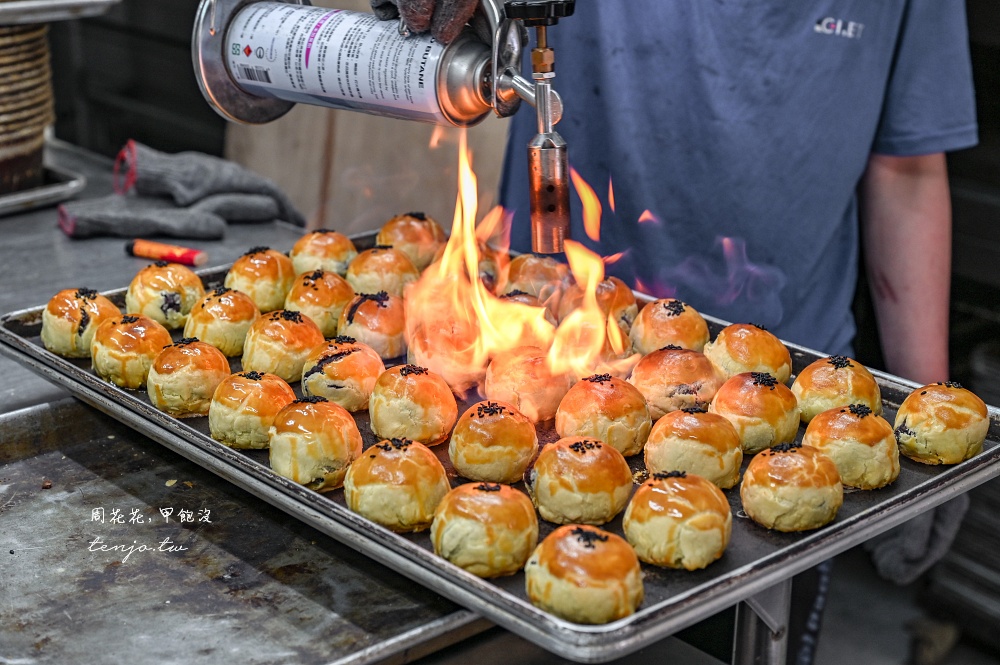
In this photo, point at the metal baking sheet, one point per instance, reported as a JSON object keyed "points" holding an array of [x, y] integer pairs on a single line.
{"points": [[45, 11], [755, 560], [244, 581], [57, 185]]}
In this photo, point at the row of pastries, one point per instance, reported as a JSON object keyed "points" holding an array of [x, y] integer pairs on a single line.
{"points": [[694, 407]]}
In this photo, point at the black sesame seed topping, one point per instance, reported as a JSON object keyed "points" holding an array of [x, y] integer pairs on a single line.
{"points": [[311, 399], [253, 376], [840, 362], [513, 294], [951, 384], [697, 408], [757, 325], [314, 276], [674, 308], [256, 250], [903, 430], [417, 215], [128, 318], [84, 321], [85, 294], [860, 410], [490, 409], [221, 291], [598, 378], [398, 444], [287, 315], [488, 487], [326, 360], [587, 537], [161, 264], [764, 379], [582, 447], [784, 448], [686, 389], [345, 339], [171, 302], [407, 370], [663, 475], [380, 247], [671, 347], [380, 299], [184, 341], [324, 231]]}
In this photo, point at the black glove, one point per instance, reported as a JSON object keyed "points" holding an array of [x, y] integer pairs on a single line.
{"points": [[444, 18]]}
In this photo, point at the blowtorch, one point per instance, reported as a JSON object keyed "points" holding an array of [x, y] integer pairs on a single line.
{"points": [[254, 60]]}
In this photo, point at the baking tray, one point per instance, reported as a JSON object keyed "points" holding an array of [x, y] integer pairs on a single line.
{"points": [[57, 185], [44, 11], [755, 560]]}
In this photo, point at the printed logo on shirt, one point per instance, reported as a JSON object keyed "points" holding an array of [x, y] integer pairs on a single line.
{"points": [[839, 27]]}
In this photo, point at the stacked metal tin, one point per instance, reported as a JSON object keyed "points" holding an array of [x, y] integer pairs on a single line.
{"points": [[26, 106]]}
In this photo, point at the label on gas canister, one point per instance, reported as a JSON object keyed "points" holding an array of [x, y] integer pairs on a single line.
{"points": [[334, 57]]}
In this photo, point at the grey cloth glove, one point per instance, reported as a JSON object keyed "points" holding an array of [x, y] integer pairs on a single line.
{"points": [[189, 177], [444, 18], [904, 553]]}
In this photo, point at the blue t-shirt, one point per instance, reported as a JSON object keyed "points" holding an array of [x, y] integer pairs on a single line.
{"points": [[744, 127]]}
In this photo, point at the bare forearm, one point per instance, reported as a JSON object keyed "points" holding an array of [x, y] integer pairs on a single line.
{"points": [[906, 224]]}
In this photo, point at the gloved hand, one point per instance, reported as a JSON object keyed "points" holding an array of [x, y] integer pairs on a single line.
{"points": [[444, 18]]}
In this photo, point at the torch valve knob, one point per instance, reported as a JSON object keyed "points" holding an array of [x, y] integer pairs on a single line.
{"points": [[539, 12]]}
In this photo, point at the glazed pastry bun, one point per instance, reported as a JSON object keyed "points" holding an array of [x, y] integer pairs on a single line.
{"points": [[608, 409], [791, 487], [279, 342], [344, 371], [322, 296], [222, 319], [413, 403], [579, 480], [322, 249], [673, 378], [702, 443], [744, 347], [378, 320], [244, 406], [536, 275], [521, 377], [494, 442], [165, 292], [665, 322], [265, 275], [416, 235], [489, 530], [381, 268], [531, 301], [585, 575], [859, 442], [830, 383], [763, 410], [614, 297], [312, 442], [184, 376], [70, 319], [396, 483], [124, 347], [677, 520], [941, 423]]}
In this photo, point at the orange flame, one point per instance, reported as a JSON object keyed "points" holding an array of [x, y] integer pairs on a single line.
{"points": [[611, 195], [436, 137], [591, 206], [648, 216]]}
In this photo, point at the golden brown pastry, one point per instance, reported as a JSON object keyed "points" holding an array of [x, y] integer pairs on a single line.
{"points": [[244, 406], [763, 410], [585, 575], [791, 487], [608, 409], [312, 442], [165, 292], [494, 442], [448, 347], [744, 347], [941, 423], [124, 347], [381, 268], [521, 377], [397, 483], [416, 235], [222, 319], [579, 480], [487, 529], [378, 320], [614, 297], [859, 442], [702, 443], [265, 275], [677, 520], [322, 249], [668, 321], [531, 301], [322, 296], [344, 371], [536, 275], [280, 342], [673, 378], [184, 376], [833, 382], [70, 319], [413, 403]]}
